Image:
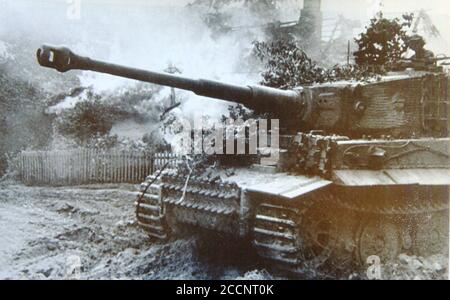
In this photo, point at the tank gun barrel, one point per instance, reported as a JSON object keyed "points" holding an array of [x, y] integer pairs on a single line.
{"points": [[256, 97]]}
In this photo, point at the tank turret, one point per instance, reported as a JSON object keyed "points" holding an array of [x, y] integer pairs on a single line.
{"points": [[401, 105]]}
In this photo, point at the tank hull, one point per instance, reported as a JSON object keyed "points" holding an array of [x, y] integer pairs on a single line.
{"points": [[323, 228]]}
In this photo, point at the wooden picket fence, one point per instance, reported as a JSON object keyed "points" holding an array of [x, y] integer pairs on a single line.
{"points": [[86, 166]]}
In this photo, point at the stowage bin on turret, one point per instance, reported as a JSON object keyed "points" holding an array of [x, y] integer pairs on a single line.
{"points": [[363, 170]]}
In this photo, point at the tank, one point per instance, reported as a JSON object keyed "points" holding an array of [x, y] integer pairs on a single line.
{"points": [[362, 171]]}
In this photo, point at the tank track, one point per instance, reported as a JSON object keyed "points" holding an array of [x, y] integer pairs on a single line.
{"points": [[149, 211], [294, 239], [163, 203], [275, 234], [284, 237], [419, 228], [324, 236]]}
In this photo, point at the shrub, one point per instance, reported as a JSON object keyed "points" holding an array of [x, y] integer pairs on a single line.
{"points": [[86, 121], [383, 43], [287, 66]]}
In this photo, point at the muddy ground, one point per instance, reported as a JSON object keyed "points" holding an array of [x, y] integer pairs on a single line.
{"points": [[89, 232]]}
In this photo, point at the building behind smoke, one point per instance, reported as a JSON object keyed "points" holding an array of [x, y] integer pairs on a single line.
{"points": [[311, 18]]}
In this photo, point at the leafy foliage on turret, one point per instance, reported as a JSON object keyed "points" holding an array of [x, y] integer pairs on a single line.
{"points": [[383, 43], [381, 46], [286, 66]]}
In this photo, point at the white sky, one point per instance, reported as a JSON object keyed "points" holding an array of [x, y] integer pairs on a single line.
{"points": [[390, 5], [350, 8], [439, 10], [363, 10]]}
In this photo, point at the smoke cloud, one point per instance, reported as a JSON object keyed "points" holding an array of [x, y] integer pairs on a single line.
{"points": [[154, 34], [132, 34]]}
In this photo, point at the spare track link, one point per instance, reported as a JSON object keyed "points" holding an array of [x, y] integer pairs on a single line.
{"points": [[149, 210], [211, 196]]}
